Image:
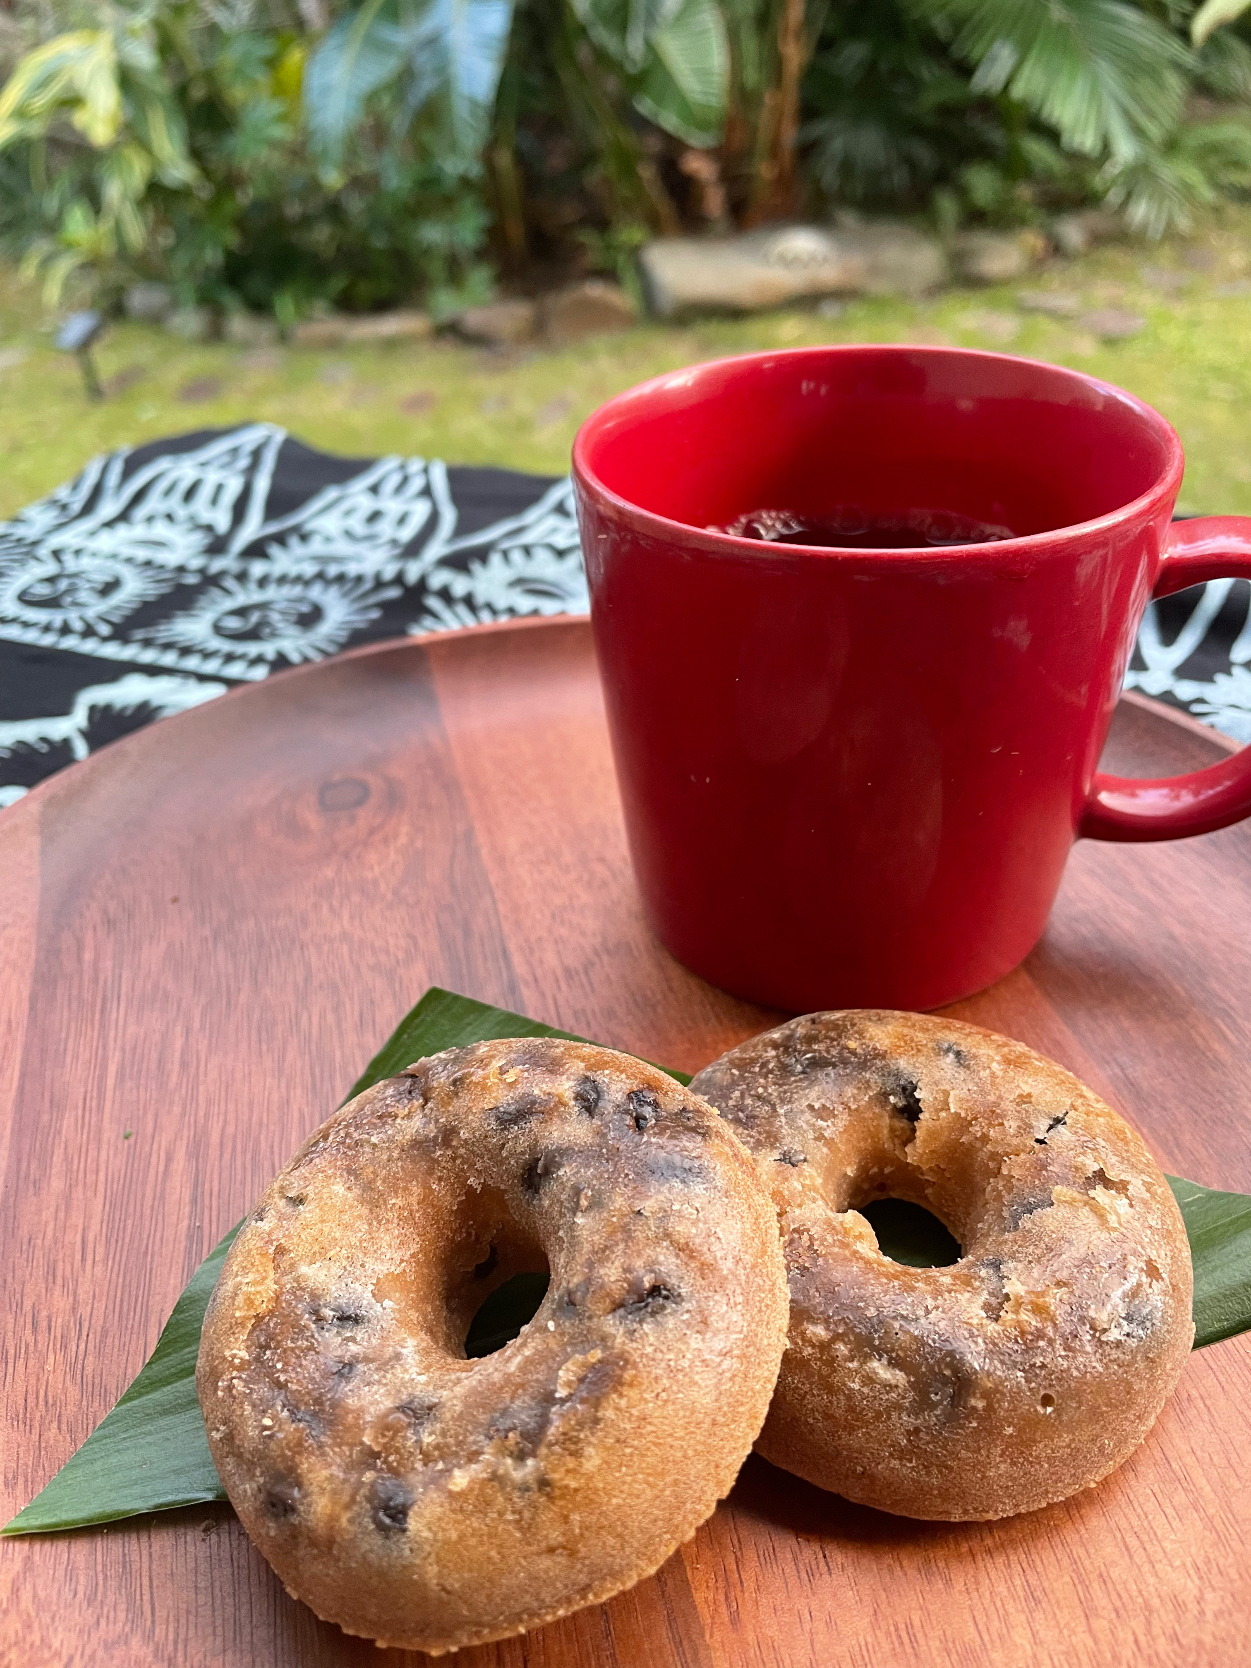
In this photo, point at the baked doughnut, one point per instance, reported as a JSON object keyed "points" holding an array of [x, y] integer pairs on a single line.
{"points": [[430, 1501], [1023, 1372]]}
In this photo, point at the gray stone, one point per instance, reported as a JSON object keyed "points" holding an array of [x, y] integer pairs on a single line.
{"points": [[148, 303], [750, 272], [193, 324], [250, 329], [590, 308], [316, 333], [1074, 234], [1057, 304], [499, 323], [995, 257], [1110, 324], [339, 329], [779, 264], [405, 324], [900, 260]]}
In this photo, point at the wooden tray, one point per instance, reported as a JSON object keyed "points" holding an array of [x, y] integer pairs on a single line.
{"points": [[205, 932]]}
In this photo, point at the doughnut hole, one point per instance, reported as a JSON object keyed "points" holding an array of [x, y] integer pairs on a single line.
{"points": [[494, 1250], [908, 1233], [875, 1163]]}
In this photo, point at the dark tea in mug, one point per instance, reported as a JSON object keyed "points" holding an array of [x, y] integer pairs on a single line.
{"points": [[849, 527]]}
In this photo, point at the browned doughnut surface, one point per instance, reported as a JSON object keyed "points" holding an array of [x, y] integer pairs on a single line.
{"points": [[1025, 1371], [430, 1501]]}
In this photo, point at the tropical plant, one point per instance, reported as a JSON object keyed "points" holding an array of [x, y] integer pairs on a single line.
{"points": [[169, 140], [281, 153], [1003, 109]]}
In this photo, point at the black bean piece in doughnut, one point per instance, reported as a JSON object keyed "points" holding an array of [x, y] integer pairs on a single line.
{"points": [[1023, 1372], [429, 1501]]}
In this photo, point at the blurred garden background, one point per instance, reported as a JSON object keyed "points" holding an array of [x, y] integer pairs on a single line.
{"points": [[453, 227]]}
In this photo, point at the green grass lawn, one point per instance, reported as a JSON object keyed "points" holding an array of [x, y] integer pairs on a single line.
{"points": [[445, 399]]}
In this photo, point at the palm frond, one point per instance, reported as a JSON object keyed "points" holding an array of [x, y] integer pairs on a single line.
{"points": [[360, 54], [1223, 66], [1106, 75], [1161, 189], [454, 54]]}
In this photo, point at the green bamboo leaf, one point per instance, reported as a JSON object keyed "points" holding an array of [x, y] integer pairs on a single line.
{"points": [[1212, 15], [151, 1453], [908, 1233], [442, 1019], [1218, 1226]]}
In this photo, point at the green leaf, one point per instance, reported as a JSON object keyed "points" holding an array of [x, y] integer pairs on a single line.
{"points": [[676, 55], [683, 87], [1218, 1226], [75, 75], [1212, 14], [362, 53], [161, 128], [455, 57], [442, 1019], [504, 1314], [151, 1453], [1106, 75], [447, 52]]}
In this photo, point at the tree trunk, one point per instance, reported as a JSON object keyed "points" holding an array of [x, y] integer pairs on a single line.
{"points": [[776, 193]]}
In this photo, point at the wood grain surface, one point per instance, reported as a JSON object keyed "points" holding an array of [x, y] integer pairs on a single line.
{"points": [[205, 932]]}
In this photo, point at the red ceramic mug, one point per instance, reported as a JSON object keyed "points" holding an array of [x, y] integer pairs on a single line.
{"points": [[852, 777]]}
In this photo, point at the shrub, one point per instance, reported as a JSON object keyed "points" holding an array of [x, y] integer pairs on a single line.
{"points": [[284, 153]]}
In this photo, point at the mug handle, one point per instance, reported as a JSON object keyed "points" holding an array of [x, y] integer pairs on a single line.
{"points": [[1171, 807]]}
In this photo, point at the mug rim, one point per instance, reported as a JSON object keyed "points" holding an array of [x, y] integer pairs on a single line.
{"points": [[649, 522]]}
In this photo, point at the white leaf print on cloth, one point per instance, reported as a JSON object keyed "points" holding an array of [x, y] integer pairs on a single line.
{"points": [[1225, 702], [84, 596], [364, 525], [532, 565], [163, 694], [240, 627], [169, 512]]}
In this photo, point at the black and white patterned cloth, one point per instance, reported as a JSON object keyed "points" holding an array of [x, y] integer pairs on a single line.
{"points": [[164, 574]]}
